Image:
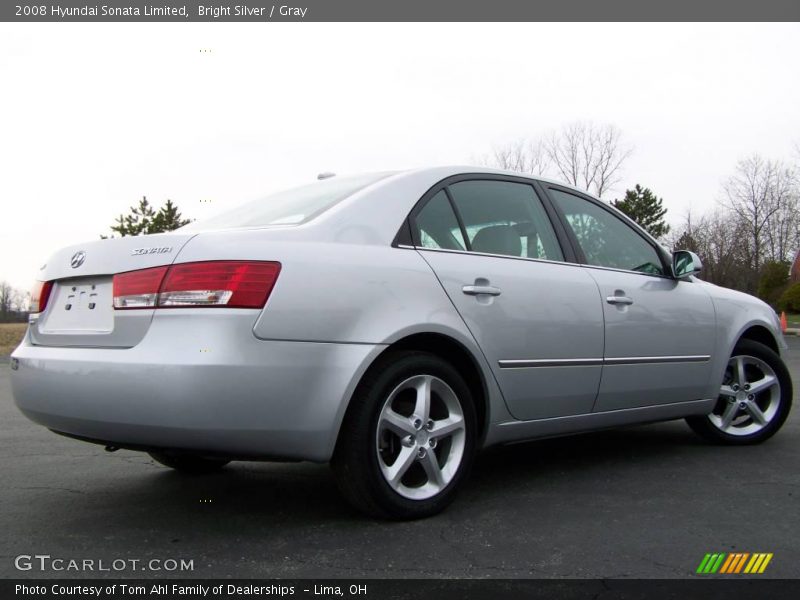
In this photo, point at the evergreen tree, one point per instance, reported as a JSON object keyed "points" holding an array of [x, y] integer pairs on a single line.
{"points": [[687, 242], [774, 280], [168, 218], [644, 207], [137, 221], [143, 219]]}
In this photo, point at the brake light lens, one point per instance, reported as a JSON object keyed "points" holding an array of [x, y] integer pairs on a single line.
{"points": [[40, 294], [234, 284], [138, 289], [231, 284]]}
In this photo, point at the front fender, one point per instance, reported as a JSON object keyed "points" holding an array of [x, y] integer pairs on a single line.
{"points": [[738, 314]]}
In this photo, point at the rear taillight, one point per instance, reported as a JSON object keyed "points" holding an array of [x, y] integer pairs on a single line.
{"points": [[220, 283], [138, 289], [39, 295], [231, 284]]}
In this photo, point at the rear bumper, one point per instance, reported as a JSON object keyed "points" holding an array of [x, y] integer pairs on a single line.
{"points": [[204, 384]]}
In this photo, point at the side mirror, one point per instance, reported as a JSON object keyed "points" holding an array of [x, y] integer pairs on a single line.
{"points": [[685, 263]]}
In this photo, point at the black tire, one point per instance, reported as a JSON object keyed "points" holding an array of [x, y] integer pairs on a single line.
{"points": [[356, 461], [189, 463], [703, 425]]}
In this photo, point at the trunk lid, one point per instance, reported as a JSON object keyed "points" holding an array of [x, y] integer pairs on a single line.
{"points": [[80, 308]]}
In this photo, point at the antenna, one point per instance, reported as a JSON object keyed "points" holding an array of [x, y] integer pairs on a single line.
{"points": [[326, 175]]}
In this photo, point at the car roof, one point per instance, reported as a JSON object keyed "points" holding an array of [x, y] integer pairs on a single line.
{"points": [[381, 205], [437, 173]]}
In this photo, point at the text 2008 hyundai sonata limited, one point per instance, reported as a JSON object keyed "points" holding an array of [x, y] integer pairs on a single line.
{"points": [[392, 324]]}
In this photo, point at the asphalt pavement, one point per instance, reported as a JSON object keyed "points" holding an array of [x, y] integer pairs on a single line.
{"points": [[646, 501]]}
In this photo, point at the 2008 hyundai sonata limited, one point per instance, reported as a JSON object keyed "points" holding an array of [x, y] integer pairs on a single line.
{"points": [[392, 324]]}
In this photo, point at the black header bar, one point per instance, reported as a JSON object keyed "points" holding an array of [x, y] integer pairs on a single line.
{"points": [[712, 588]]}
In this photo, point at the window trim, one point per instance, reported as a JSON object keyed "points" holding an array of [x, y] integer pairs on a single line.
{"points": [[410, 225], [459, 219], [415, 238], [665, 265], [403, 238], [490, 255]]}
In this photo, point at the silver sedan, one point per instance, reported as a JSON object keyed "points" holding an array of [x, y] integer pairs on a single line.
{"points": [[392, 324]]}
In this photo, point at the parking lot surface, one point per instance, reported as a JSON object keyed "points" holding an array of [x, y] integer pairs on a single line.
{"points": [[646, 501]]}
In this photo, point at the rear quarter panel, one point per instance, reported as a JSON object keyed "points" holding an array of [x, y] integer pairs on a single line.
{"points": [[336, 292]]}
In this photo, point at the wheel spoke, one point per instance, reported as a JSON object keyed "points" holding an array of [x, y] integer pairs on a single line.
{"points": [[756, 413], [432, 469], [762, 384], [428, 437], [447, 427], [397, 423], [740, 375], [422, 409], [749, 397], [728, 415], [404, 460]]}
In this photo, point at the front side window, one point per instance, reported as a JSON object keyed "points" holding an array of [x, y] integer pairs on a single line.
{"points": [[606, 240], [503, 217]]}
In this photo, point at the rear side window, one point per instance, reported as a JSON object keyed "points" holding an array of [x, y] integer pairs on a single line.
{"points": [[438, 226], [289, 207], [502, 217], [605, 239]]}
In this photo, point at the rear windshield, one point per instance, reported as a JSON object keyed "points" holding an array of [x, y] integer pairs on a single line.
{"points": [[289, 207]]}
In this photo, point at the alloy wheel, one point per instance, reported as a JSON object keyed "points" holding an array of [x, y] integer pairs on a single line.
{"points": [[749, 398], [420, 437]]}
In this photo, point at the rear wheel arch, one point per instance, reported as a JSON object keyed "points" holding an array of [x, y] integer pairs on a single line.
{"points": [[462, 359], [458, 356]]}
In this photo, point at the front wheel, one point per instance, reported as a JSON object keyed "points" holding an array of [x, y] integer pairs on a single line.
{"points": [[408, 438], [754, 401]]}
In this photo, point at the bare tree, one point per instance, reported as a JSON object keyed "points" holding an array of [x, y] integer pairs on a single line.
{"points": [[20, 301], [522, 156], [719, 239], [763, 195], [587, 155], [14, 303], [584, 154], [757, 225], [783, 230], [6, 295]]}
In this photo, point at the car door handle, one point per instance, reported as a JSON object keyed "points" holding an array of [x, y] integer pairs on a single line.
{"points": [[619, 300], [475, 290]]}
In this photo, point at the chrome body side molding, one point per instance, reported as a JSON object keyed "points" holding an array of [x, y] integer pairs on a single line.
{"points": [[581, 362]]}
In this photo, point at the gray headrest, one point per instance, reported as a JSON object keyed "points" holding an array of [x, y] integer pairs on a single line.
{"points": [[498, 239]]}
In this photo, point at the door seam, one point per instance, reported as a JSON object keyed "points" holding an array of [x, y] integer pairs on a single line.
{"points": [[471, 333]]}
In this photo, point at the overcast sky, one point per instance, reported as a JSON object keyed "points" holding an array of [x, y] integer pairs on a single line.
{"points": [[93, 116]]}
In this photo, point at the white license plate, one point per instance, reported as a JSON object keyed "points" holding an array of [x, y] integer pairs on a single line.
{"points": [[80, 305]]}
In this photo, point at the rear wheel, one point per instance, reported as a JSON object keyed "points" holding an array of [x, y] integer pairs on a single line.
{"points": [[754, 401], [408, 438], [189, 463]]}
